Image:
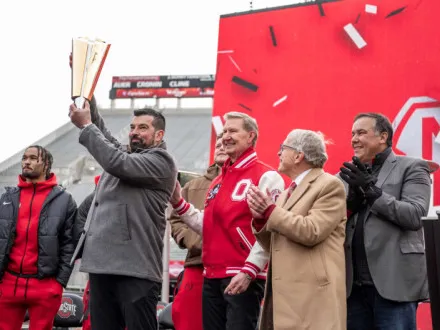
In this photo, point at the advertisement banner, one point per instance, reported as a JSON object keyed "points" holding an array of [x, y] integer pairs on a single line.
{"points": [[160, 93], [162, 86]]}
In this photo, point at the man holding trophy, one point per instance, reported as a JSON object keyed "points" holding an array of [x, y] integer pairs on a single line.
{"points": [[122, 240]]}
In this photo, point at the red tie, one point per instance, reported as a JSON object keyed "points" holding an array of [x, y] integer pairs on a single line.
{"points": [[291, 189]]}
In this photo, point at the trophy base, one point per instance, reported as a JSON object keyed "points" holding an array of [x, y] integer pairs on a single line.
{"points": [[79, 102]]}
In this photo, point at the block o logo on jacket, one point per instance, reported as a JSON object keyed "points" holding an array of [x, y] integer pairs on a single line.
{"points": [[241, 189]]}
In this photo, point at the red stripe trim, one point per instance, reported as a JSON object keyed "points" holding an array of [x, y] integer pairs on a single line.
{"points": [[179, 203], [184, 209], [250, 264]]}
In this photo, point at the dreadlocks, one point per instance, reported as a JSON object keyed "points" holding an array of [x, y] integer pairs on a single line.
{"points": [[46, 158]]}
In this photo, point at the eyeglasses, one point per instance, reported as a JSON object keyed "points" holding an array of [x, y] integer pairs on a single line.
{"points": [[283, 146]]}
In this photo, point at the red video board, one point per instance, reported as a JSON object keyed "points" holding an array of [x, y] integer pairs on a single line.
{"points": [[317, 65]]}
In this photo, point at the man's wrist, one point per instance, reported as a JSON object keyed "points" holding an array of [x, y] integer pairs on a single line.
{"points": [[248, 277], [85, 125], [372, 194]]}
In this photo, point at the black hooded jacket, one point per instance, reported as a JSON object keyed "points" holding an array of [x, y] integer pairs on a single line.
{"points": [[55, 241]]}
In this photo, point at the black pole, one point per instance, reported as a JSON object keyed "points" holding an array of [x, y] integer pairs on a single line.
{"points": [[431, 227]]}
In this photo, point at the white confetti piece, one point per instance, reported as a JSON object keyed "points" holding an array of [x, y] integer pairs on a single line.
{"points": [[225, 51], [235, 64], [371, 9], [218, 124], [355, 36], [281, 100]]}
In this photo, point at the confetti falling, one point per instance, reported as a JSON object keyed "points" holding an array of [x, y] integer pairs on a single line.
{"points": [[371, 9], [235, 63], [395, 12], [244, 83], [272, 35], [355, 36], [244, 107], [225, 51], [321, 8], [281, 100]]}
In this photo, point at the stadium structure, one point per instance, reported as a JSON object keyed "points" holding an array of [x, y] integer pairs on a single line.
{"points": [[188, 132]]}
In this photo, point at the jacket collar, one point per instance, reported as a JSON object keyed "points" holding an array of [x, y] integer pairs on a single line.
{"points": [[386, 169], [212, 172], [246, 159], [13, 194], [300, 190]]}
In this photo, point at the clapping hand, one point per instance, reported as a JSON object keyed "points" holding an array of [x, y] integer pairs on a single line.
{"points": [[258, 201], [357, 175], [360, 178]]}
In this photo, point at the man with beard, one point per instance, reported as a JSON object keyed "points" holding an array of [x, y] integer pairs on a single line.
{"points": [[36, 244], [123, 236]]}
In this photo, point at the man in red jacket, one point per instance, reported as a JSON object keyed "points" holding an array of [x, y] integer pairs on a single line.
{"points": [[187, 304], [234, 262], [36, 244]]}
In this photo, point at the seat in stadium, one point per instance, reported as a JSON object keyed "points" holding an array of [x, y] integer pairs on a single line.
{"points": [[70, 313]]}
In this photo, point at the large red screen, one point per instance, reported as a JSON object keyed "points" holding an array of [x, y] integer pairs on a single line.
{"points": [[296, 67]]}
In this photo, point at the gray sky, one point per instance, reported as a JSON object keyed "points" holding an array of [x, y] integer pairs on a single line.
{"points": [[148, 38]]}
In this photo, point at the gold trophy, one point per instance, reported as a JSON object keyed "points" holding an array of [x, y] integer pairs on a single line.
{"points": [[88, 57]]}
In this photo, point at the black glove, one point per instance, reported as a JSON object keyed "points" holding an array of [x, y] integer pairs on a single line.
{"points": [[355, 200], [360, 178], [372, 193], [357, 175]]}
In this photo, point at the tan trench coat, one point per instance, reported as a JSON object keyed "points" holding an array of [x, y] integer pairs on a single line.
{"points": [[305, 235]]}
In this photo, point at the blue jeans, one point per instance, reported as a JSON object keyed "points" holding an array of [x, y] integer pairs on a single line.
{"points": [[367, 310]]}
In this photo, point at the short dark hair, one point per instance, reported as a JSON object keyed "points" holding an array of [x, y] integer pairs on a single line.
{"points": [[46, 157], [382, 124], [158, 121]]}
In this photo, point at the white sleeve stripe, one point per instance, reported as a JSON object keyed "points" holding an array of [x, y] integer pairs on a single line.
{"points": [[182, 210], [250, 270], [250, 264], [244, 238], [179, 204]]}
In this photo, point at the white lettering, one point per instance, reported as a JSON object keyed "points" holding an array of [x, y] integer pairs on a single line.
{"points": [[184, 83], [150, 84], [122, 84], [67, 308]]}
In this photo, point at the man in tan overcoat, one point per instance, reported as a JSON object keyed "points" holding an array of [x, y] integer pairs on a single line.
{"points": [[304, 233]]}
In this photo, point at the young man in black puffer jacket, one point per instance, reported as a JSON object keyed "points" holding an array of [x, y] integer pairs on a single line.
{"points": [[36, 244]]}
